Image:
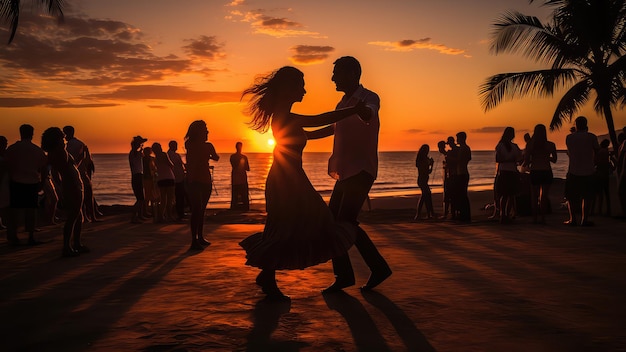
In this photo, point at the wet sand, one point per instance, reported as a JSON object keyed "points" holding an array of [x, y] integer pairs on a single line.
{"points": [[456, 287]]}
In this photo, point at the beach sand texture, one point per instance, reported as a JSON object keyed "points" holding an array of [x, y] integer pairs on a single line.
{"points": [[455, 287]]}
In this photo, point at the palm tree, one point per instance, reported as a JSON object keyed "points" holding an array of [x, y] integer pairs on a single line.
{"points": [[10, 11], [583, 43]]}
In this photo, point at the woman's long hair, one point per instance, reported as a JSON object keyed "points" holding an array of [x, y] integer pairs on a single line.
{"points": [[266, 92], [52, 138], [540, 137], [507, 138], [422, 153], [195, 134]]}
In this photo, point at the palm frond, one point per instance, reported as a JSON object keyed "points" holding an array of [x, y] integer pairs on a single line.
{"points": [[509, 86], [518, 33], [54, 7], [573, 100], [10, 12]]}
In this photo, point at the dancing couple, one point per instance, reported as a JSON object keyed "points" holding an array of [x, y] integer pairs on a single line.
{"points": [[301, 230]]}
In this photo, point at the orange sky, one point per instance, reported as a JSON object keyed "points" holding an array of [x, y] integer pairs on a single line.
{"points": [[115, 69]]}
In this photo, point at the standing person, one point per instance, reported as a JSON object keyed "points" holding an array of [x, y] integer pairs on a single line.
{"points": [[604, 168], [452, 158], [620, 168], [441, 146], [582, 147], [79, 151], [63, 165], [354, 164], [424, 165], [199, 180], [165, 182], [239, 179], [150, 189], [135, 159], [26, 163], [508, 155], [180, 195], [538, 155], [463, 158], [299, 230], [4, 182]]}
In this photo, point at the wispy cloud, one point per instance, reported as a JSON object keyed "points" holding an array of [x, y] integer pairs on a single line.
{"points": [[489, 129], [419, 44], [165, 92], [235, 3], [46, 102], [280, 27], [310, 54]]}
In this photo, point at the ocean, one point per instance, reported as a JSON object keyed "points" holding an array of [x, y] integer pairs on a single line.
{"points": [[397, 175]]}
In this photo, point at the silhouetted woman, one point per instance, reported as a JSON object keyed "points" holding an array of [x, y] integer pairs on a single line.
{"points": [[165, 182], [424, 165], [63, 164], [538, 155], [508, 155], [299, 231], [200, 184]]}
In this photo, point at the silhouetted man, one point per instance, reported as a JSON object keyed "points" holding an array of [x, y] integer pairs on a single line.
{"points": [[78, 150], [354, 164], [581, 149], [239, 179], [26, 163], [179, 179], [463, 158]]}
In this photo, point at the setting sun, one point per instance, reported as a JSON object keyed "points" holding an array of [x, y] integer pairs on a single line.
{"points": [[271, 142]]}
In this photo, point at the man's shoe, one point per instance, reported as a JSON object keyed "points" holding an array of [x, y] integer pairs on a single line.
{"points": [[376, 278], [338, 285]]}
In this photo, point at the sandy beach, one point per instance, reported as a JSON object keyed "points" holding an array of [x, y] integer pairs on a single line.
{"points": [[456, 287]]}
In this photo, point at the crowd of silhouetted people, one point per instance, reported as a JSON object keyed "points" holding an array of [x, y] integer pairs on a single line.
{"points": [[524, 175], [55, 177]]}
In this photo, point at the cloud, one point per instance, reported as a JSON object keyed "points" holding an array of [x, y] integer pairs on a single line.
{"points": [[424, 43], [489, 129], [278, 27], [166, 92], [310, 54], [94, 54], [235, 3], [414, 131], [205, 47], [45, 102]]}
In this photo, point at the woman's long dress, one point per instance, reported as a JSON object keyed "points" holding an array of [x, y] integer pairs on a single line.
{"points": [[300, 230]]}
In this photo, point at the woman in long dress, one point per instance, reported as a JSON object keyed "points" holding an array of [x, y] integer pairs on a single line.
{"points": [[299, 231]]}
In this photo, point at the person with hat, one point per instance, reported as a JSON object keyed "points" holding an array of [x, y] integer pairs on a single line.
{"points": [[135, 159]]}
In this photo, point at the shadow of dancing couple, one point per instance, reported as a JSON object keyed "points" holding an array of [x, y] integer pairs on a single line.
{"points": [[365, 334], [301, 230]]}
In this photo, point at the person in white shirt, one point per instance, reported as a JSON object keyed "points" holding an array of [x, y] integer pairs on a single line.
{"points": [[135, 160], [354, 164]]}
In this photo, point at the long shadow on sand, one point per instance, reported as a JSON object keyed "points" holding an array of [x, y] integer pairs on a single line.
{"points": [[97, 290], [366, 335], [265, 319]]}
